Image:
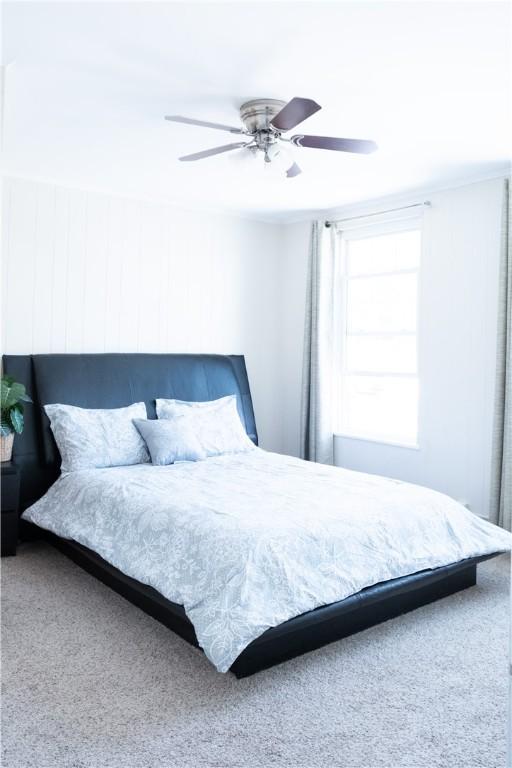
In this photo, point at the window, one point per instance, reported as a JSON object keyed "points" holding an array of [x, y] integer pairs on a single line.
{"points": [[379, 361]]}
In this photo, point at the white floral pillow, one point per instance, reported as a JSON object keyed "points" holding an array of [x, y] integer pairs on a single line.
{"points": [[88, 438], [215, 422], [170, 440]]}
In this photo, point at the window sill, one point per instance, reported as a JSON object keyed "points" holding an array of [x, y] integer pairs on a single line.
{"points": [[408, 446]]}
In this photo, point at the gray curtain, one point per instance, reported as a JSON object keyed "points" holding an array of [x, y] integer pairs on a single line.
{"points": [[317, 441], [501, 486]]}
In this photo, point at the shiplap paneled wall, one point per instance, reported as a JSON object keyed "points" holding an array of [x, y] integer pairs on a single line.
{"points": [[84, 272]]}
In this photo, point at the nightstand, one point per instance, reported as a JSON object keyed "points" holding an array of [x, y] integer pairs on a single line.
{"points": [[10, 502]]}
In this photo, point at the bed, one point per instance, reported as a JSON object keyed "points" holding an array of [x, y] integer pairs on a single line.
{"points": [[277, 568]]}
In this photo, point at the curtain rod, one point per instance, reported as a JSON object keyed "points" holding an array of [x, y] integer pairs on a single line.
{"points": [[379, 213]]}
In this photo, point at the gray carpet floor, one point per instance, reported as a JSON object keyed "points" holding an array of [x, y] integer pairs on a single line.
{"points": [[89, 681]]}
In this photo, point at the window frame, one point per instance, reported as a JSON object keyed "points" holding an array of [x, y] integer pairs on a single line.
{"points": [[358, 231]]}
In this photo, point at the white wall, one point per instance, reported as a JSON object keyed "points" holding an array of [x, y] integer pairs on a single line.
{"points": [[458, 301], [84, 272]]}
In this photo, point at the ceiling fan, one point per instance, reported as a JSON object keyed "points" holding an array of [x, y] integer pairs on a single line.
{"points": [[265, 121]]}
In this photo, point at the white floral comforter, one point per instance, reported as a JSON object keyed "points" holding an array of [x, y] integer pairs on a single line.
{"points": [[247, 541]]}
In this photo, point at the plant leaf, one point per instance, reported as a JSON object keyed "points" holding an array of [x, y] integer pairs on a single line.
{"points": [[5, 428], [16, 417], [6, 387], [12, 392]]}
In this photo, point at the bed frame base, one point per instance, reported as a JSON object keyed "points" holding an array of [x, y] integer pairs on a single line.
{"points": [[267, 654], [299, 635]]}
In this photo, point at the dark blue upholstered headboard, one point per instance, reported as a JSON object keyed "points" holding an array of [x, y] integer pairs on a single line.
{"points": [[112, 381]]}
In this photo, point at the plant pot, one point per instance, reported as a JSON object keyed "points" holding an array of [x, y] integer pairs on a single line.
{"points": [[6, 447]]}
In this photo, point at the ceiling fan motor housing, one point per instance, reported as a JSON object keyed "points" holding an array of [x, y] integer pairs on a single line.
{"points": [[257, 113]]}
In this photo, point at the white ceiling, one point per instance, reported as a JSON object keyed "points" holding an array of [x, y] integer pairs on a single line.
{"points": [[87, 86]]}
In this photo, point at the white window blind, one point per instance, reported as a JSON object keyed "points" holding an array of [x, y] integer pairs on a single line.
{"points": [[378, 372]]}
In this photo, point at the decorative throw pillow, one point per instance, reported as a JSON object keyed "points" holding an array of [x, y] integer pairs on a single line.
{"points": [[89, 438], [170, 440], [215, 422]]}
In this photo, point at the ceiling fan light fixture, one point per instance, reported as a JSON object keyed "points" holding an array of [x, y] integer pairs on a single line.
{"points": [[273, 152], [281, 163], [279, 155]]}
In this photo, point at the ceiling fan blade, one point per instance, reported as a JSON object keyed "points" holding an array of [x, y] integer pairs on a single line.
{"points": [[340, 145], [203, 123], [214, 151], [294, 113], [293, 170]]}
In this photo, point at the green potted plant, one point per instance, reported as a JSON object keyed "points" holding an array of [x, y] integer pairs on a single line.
{"points": [[12, 398]]}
